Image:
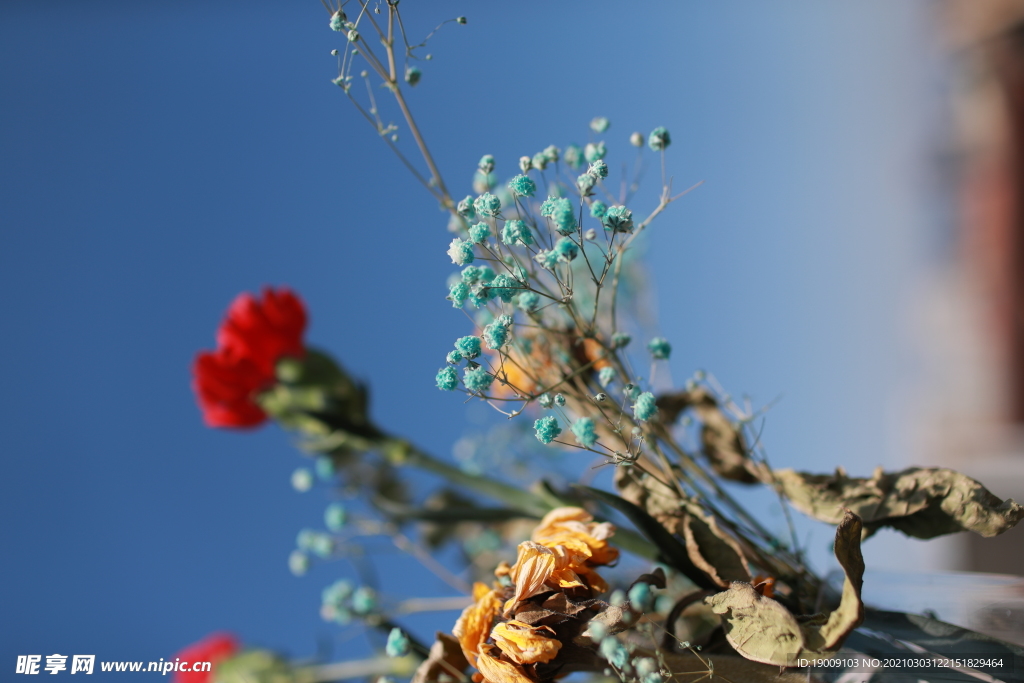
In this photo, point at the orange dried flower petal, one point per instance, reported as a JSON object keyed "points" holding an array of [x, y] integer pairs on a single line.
{"points": [[474, 626], [498, 671], [532, 569], [523, 644], [574, 527]]}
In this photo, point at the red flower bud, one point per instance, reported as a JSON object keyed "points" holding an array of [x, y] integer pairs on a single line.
{"points": [[214, 648], [255, 334]]}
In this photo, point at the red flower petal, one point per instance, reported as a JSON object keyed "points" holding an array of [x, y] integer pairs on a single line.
{"points": [[264, 330], [225, 386], [213, 648], [255, 334]]}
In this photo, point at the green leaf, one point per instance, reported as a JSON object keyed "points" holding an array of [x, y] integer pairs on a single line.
{"points": [[763, 630], [671, 550], [920, 502]]}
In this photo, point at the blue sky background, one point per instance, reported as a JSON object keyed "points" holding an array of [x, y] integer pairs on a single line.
{"points": [[158, 158]]}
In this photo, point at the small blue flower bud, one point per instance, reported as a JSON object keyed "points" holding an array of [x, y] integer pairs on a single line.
{"points": [[659, 348], [483, 182], [559, 400], [620, 340], [583, 428], [637, 139], [460, 252], [454, 358], [645, 408], [466, 208], [547, 207], [598, 169], [495, 335], [585, 183], [640, 597], [469, 346], [335, 517], [566, 249], [413, 75], [547, 429], [364, 600], [551, 153], [398, 643], [522, 186], [544, 400], [606, 375], [486, 163], [659, 139], [487, 205], [477, 379], [447, 379], [594, 151], [458, 293], [615, 652], [564, 216], [528, 301], [324, 467], [599, 124], [322, 546], [305, 539], [547, 259], [618, 219], [338, 21], [504, 287], [573, 156], [539, 161], [598, 209], [298, 563], [516, 232], [302, 480], [479, 232]]}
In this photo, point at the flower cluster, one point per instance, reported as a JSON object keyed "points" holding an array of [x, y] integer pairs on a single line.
{"points": [[515, 630], [256, 333], [540, 277]]}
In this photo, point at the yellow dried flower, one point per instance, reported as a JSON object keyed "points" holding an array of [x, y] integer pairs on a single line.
{"points": [[574, 528], [474, 626], [524, 644]]}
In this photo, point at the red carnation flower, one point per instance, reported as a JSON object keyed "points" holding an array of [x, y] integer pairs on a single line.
{"points": [[213, 648], [255, 334], [263, 331]]}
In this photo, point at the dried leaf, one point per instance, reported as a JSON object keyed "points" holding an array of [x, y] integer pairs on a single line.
{"points": [[722, 442], [763, 630], [920, 502], [671, 550], [711, 549]]}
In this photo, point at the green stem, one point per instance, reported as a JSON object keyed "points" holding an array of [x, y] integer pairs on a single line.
{"points": [[400, 452]]}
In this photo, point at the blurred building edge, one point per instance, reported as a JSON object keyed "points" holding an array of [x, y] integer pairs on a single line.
{"points": [[973, 418]]}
